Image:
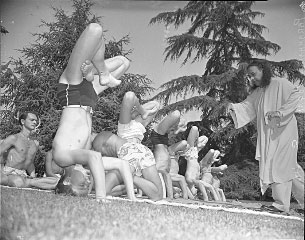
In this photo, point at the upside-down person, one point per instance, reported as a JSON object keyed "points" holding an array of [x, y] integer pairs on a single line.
{"points": [[86, 75]]}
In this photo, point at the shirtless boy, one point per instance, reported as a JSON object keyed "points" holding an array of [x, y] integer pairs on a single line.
{"points": [[21, 148], [20, 152]]}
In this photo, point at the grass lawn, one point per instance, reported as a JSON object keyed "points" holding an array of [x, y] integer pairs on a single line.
{"points": [[39, 215]]}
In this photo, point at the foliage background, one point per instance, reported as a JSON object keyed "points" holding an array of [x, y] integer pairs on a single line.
{"points": [[222, 32], [225, 34], [30, 83]]}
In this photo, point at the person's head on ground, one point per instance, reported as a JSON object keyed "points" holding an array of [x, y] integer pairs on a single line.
{"points": [[259, 74], [76, 183]]}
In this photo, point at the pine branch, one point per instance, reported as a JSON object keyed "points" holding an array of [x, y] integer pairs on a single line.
{"points": [[192, 103]]}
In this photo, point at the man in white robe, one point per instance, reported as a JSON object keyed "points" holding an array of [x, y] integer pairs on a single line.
{"points": [[273, 103]]}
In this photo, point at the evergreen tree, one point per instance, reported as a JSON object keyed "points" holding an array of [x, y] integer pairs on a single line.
{"points": [[30, 82], [223, 33]]}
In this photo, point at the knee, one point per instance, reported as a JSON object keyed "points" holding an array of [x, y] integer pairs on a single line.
{"points": [[184, 143], [129, 96], [176, 114], [57, 156], [95, 28], [194, 128], [211, 152]]}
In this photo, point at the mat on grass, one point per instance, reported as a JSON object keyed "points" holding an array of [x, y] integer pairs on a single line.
{"points": [[233, 206]]}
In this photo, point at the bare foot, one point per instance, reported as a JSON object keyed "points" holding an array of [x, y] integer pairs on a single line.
{"points": [[148, 113], [106, 79], [87, 69]]}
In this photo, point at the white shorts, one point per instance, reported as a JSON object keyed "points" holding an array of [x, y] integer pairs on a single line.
{"points": [[138, 156]]}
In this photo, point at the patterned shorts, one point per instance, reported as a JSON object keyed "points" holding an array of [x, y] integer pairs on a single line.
{"points": [[191, 154], [14, 171], [138, 156]]}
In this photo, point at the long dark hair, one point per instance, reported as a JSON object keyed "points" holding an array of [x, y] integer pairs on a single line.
{"points": [[267, 73]]}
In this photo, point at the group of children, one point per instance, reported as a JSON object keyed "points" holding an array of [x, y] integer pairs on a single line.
{"points": [[112, 164], [155, 173], [115, 164]]}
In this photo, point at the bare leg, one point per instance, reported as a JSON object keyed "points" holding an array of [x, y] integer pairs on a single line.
{"points": [[104, 79], [47, 183], [112, 179], [170, 121], [222, 195], [114, 67], [189, 193], [100, 65], [218, 194], [182, 126], [129, 102], [85, 49], [211, 189], [117, 66], [182, 184], [168, 183], [191, 186], [179, 146], [123, 167], [152, 107], [202, 189], [193, 136], [206, 159], [150, 183], [118, 191]]}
